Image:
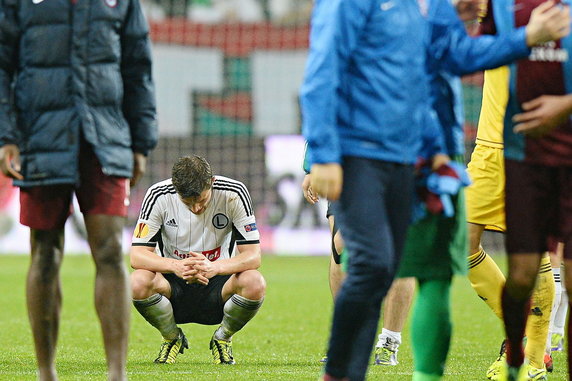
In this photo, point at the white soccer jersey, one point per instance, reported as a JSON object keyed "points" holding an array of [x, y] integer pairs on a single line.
{"points": [[167, 224]]}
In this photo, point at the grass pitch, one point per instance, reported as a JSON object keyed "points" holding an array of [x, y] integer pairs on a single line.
{"points": [[284, 341]]}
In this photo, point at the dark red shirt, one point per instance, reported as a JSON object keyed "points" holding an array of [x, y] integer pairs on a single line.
{"points": [[542, 73]]}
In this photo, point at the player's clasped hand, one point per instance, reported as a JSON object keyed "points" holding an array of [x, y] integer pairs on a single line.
{"points": [[198, 269]]}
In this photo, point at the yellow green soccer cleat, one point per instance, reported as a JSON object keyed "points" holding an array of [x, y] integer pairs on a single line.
{"points": [[385, 356], [556, 342], [525, 373], [510, 374], [386, 351], [222, 351], [494, 371], [533, 374], [171, 348]]}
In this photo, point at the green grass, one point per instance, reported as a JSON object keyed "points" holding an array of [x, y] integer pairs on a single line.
{"points": [[284, 341]]}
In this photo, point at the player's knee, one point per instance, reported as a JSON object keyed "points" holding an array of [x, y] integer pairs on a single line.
{"points": [[141, 284], [47, 263], [47, 252], [251, 284], [522, 280], [108, 254]]}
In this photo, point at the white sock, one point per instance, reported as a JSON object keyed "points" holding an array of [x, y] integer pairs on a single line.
{"points": [[158, 311], [560, 318], [386, 333], [557, 296]]}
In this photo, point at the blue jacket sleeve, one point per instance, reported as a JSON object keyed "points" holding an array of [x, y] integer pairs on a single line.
{"points": [[458, 53], [9, 41], [334, 34], [139, 94]]}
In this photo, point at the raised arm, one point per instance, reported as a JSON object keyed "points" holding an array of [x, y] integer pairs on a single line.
{"points": [[453, 50]]}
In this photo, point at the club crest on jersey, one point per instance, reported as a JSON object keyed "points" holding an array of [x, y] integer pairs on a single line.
{"points": [[141, 230], [111, 3], [250, 227], [220, 221]]}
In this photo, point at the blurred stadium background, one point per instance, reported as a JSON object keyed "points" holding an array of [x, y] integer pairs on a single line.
{"points": [[227, 74]]}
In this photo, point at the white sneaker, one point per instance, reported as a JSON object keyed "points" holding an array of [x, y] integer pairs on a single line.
{"points": [[386, 351]]}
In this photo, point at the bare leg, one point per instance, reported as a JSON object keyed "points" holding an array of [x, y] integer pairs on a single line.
{"points": [[397, 303], [44, 297], [112, 294], [475, 235], [337, 275], [522, 273], [396, 307]]}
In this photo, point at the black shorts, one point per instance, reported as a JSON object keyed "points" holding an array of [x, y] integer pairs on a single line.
{"points": [[196, 303], [331, 212], [538, 207]]}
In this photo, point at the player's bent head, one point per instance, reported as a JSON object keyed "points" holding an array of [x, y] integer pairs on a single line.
{"points": [[191, 176]]}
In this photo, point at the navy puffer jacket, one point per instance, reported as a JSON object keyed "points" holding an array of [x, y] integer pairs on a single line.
{"points": [[73, 68]]}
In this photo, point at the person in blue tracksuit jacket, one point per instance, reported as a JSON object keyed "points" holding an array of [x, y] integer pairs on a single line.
{"points": [[363, 97]]}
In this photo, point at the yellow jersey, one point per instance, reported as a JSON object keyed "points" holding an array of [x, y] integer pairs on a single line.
{"points": [[495, 98]]}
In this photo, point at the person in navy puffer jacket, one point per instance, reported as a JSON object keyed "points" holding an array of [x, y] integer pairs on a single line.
{"points": [[77, 116]]}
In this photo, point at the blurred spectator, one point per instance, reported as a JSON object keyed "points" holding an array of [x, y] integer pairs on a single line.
{"points": [[289, 12], [219, 11], [153, 10], [282, 12]]}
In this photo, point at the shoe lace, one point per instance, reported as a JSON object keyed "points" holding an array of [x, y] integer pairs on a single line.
{"points": [[165, 351], [224, 350], [390, 345], [502, 350], [174, 350], [385, 354]]}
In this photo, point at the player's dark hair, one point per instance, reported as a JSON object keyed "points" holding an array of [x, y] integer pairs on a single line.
{"points": [[191, 176]]}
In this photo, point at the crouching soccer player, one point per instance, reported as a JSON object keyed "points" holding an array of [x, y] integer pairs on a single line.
{"points": [[204, 230]]}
